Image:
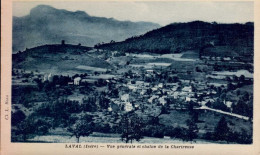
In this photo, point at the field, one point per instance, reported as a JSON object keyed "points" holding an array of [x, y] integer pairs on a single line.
{"points": [[175, 57], [89, 68], [237, 73]]}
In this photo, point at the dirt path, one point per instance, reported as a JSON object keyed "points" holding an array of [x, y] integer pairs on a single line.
{"points": [[223, 112]]}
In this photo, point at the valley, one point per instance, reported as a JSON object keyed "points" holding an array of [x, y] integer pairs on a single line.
{"points": [[164, 91]]}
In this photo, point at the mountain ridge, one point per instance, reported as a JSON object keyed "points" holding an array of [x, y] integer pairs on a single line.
{"points": [[48, 25], [196, 35]]}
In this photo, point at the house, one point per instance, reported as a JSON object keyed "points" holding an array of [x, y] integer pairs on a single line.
{"points": [[125, 98], [146, 84], [77, 80], [143, 91], [187, 99], [228, 103], [187, 89], [162, 100], [150, 71], [132, 87], [45, 78], [139, 83], [150, 100], [207, 99], [154, 88], [48, 77], [160, 85], [128, 106], [227, 58], [176, 95]]}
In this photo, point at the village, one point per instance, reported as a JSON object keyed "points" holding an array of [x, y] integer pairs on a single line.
{"points": [[138, 85], [163, 90]]}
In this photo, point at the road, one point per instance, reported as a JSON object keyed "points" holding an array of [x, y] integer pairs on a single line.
{"points": [[224, 112]]}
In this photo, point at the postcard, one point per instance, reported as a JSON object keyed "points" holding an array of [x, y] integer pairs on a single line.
{"points": [[123, 77]]}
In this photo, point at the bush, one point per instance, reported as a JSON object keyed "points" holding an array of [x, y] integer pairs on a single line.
{"points": [[104, 128], [154, 131], [177, 132], [208, 136], [42, 127]]}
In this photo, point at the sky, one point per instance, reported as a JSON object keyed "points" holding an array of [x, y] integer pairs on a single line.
{"points": [[162, 13]]}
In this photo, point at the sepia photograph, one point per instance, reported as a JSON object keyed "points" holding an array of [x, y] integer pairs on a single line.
{"points": [[131, 72]]}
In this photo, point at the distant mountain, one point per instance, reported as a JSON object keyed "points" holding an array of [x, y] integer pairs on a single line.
{"points": [[197, 35], [47, 25]]}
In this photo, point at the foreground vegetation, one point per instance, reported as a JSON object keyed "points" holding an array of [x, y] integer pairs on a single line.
{"points": [[79, 119]]}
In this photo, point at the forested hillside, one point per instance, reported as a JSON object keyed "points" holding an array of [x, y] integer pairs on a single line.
{"points": [[179, 37]]}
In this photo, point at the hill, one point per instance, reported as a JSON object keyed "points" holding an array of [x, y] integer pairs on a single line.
{"points": [[197, 35], [63, 59], [47, 25]]}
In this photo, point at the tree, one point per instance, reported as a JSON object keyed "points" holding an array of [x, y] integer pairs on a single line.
{"points": [[230, 86], [154, 120], [132, 128], [114, 93], [228, 79], [242, 78], [25, 128], [89, 104], [137, 125], [126, 130], [164, 109], [245, 96], [103, 102], [195, 116], [198, 69], [177, 132], [41, 127], [242, 108], [82, 127], [172, 101], [222, 130], [218, 104], [235, 78], [244, 137], [191, 107], [105, 128], [17, 117], [223, 96], [157, 131], [32, 126], [192, 131]]}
